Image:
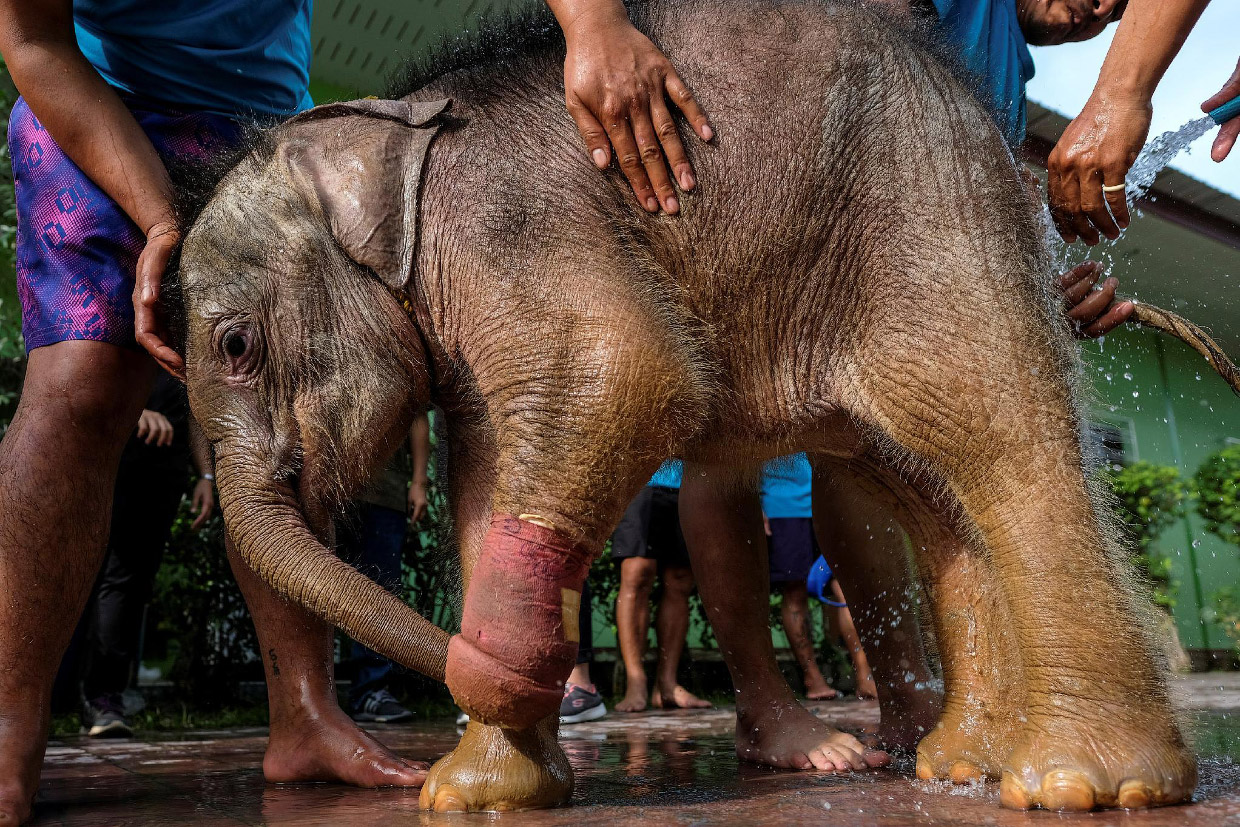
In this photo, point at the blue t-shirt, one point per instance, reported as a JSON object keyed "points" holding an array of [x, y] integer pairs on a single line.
{"points": [[237, 58], [787, 484], [668, 475], [994, 49]]}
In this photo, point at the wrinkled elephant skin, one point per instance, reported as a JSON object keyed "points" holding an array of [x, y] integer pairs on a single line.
{"points": [[858, 275]]}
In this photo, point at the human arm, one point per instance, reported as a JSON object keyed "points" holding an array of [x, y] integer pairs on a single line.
{"points": [[1099, 146], [420, 446], [203, 499], [88, 121], [617, 85], [154, 428]]}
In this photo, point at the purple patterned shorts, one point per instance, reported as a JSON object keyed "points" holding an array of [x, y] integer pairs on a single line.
{"points": [[76, 249]]}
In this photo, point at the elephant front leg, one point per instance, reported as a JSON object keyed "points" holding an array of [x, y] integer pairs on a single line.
{"points": [[1098, 729], [491, 769], [500, 770], [539, 495]]}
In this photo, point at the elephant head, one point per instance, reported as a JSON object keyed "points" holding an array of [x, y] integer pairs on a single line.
{"points": [[302, 366]]}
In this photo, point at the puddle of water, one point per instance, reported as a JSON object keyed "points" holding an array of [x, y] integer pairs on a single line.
{"points": [[660, 768]]}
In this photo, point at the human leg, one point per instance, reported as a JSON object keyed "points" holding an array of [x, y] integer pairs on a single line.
{"points": [[582, 700], [58, 461], [633, 628], [671, 627], [792, 551], [312, 739], [374, 541], [852, 641], [794, 612], [723, 530], [145, 500], [629, 545]]}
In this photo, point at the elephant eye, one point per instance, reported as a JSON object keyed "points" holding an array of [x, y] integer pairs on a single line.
{"points": [[238, 347], [235, 344]]}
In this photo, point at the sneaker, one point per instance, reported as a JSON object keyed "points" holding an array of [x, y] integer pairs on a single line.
{"points": [[581, 703], [379, 707], [104, 717]]}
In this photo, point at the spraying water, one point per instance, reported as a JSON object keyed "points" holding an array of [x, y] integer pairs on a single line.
{"points": [[1159, 152]]}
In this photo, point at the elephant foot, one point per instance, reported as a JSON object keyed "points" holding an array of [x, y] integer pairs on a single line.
{"points": [[331, 747], [1078, 763], [500, 770], [969, 743], [788, 736]]}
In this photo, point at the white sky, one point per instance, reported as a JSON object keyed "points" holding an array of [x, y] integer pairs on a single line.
{"points": [[1066, 75]]}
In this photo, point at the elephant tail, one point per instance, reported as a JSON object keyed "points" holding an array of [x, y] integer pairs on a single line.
{"points": [[1148, 315]]}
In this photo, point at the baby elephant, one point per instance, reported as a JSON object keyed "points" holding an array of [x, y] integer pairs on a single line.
{"points": [[859, 275]]}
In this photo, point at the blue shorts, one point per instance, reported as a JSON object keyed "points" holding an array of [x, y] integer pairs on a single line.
{"points": [[76, 249], [791, 548]]}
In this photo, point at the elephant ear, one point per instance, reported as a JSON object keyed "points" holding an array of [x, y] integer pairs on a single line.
{"points": [[361, 162]]}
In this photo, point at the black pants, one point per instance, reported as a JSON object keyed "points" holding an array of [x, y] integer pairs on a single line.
{"points": [[144, 506], [585, 623]]}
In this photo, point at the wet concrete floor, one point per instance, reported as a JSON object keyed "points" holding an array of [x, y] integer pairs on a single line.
{"points": [[653, 768]]}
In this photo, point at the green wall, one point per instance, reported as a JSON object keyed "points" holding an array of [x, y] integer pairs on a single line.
{"points": [[1175, 411]]}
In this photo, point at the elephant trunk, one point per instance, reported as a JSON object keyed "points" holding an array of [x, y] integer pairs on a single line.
{"points": [[273, 538]]}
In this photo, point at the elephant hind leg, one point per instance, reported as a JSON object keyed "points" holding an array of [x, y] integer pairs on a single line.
{"points": [[993, 419], [969, 731]]}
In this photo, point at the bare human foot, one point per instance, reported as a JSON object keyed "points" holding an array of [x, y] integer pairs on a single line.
{"points": [[331, 747], [634, 697], [817, 688], [677, 698], [788, 736]]}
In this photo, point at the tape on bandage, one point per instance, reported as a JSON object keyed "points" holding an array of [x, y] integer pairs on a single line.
{"points": [[519, 630]]}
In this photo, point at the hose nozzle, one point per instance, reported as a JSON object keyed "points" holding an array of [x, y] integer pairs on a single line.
{"points": [[1227, 111]]}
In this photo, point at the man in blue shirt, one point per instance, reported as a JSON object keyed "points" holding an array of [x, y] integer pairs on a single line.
{"points": [[112, 90], [994, 37]]}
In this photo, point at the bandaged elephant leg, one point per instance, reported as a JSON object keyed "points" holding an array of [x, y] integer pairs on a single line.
{"points": [[519, 634], [500, 770], [723, 530]]}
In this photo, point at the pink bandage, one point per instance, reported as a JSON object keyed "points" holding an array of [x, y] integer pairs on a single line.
{"points": [[519, 634]]}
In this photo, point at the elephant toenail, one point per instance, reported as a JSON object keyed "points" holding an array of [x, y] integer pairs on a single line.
{"points": [[963, 772], [1134, 795], [1012, 795], [1067, 790], [449, 800]]}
